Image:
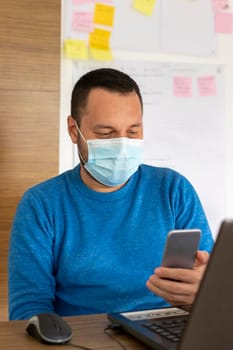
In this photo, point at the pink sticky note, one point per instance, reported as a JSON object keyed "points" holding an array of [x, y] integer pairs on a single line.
{"points": [[109, 2], [81, 2], [223, 22], [182, 86], [220, 4], [82, 21], [206, 86]]}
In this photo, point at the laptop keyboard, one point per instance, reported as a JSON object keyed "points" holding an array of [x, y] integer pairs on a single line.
{"points": [[171, 328]]}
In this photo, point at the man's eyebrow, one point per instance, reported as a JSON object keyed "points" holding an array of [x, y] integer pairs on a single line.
{"points": [[104, 126], [136, 125]]}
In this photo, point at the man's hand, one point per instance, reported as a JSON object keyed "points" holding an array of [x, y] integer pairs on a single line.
{"points": [[178, 286]]}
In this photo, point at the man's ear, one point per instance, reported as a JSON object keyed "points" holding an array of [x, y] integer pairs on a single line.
{"points": [[72, 129]]}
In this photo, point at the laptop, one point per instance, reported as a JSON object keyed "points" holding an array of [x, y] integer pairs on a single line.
{"points": [[208, 324]]}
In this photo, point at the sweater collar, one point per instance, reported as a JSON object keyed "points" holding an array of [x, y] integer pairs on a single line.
{"points": [[104, 196]]}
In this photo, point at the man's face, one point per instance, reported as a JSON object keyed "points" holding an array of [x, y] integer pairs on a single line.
{"points": [[108, 115]]}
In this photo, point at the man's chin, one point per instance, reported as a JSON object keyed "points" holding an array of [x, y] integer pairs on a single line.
{"points": [[95, 184]]}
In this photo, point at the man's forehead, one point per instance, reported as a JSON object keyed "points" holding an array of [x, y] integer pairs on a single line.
{"points": [[106, 109]]}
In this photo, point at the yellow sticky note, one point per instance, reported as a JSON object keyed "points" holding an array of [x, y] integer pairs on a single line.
{"points": [[101, 55], [99, 39], [75, 49], [104, 14], [144, 6]]}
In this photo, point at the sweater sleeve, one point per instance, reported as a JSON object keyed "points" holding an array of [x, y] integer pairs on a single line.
{"points": [[30, 263], [190, 212]]}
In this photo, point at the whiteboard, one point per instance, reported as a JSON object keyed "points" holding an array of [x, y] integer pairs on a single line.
{"points": [[180, 132], [187, 26], [192, 122], [172, 26]]}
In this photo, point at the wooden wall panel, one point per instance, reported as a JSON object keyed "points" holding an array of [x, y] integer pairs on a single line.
{"points": [[29, 107]]}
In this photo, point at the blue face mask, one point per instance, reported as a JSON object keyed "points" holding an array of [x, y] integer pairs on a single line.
{"points": [[113, 161]]}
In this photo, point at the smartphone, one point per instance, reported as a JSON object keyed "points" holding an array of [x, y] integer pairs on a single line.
{"points": [[181, 248]]}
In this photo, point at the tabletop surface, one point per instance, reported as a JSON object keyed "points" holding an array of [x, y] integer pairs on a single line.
{"points": [[88, 331]]}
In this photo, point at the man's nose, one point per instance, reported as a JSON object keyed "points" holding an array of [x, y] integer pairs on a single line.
{"points": [[122, 133]]}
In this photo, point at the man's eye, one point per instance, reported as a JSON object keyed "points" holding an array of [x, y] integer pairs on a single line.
{"points": [[104, 134], [133, 132]]}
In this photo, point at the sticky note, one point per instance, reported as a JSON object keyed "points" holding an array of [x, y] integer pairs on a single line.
{"points": [[182, 86], [109, 2], [75, 49], [144, 6], [223, 22], [220, 4], [104, 14], [82, 21], [99, 39], [81, 2], [101, 55], [206, 86]]}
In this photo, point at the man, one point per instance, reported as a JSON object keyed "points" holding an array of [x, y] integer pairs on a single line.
{"points": [[91, 240]]}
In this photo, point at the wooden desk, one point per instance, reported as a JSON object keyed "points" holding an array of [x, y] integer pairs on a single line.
{"points": [[87, 331]]}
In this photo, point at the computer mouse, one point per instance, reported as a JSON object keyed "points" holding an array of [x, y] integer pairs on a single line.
{"points": [[49, 328]]}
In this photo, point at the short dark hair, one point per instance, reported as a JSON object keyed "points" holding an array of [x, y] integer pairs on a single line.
{"points": [[106, 78]]}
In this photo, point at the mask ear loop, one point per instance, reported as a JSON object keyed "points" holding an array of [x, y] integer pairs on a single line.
{"points": [[80, 155]]}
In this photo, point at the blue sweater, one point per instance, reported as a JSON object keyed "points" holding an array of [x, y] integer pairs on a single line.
{"points": [[76, 251]]}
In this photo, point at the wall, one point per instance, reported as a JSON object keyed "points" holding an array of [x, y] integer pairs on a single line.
{"points": [[29, 107]]}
